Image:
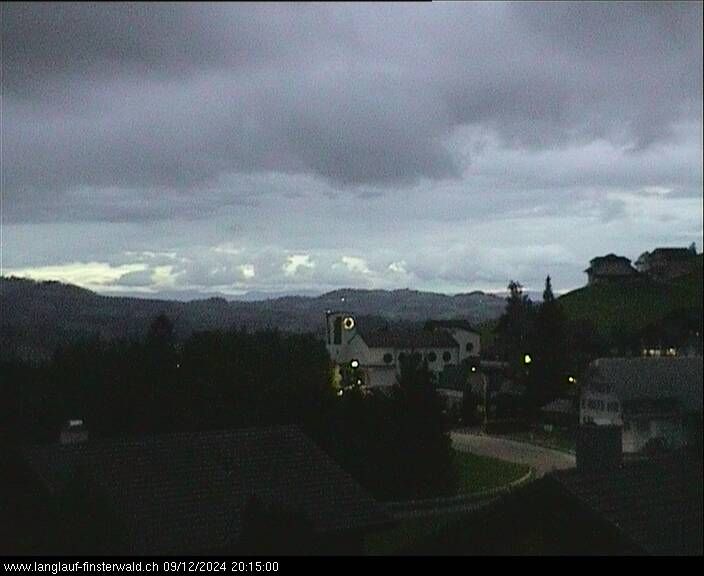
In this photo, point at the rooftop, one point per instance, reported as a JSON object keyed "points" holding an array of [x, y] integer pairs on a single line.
{"points": [[408, 339], [655, 504], [638, 379], [187, 492]]}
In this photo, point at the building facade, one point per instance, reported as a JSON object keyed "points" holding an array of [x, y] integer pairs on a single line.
{"points": [[666, 263], [658, 401], [376, 355]]}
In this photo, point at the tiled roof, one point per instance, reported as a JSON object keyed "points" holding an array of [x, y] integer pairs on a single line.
{"points": [[673, 253], [456, 324], [638, 379], [655, 504], [609, 258], [187, 492], [409, 339]]}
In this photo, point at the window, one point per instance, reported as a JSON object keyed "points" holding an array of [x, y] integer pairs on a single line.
{"points": [[469, 347], [388, 358], [432, 357], [446, 356]]}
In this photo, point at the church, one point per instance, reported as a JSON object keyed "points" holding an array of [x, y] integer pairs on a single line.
{"points": [[376, 355]]}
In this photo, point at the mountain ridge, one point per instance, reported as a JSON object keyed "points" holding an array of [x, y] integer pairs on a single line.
{"points": [[39, 316]]}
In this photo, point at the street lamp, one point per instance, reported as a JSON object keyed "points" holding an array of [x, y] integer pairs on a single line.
{"points": [[354, 363], [527, 359]]}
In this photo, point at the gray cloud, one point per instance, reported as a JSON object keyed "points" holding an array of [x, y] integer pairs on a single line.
{"points": [[449, 146], [173, 95]]}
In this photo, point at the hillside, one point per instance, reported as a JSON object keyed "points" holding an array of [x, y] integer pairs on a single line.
{"points": [[35, 317], [629, 307]]}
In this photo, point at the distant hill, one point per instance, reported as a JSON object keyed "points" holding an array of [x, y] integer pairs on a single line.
{"points": [[35, 317], [632, 305]]}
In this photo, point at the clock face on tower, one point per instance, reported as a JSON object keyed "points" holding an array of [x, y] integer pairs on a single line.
{"points": [[348, 323]]}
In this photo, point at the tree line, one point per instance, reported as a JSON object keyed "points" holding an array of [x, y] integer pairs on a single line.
{"points": [[394, 444]]}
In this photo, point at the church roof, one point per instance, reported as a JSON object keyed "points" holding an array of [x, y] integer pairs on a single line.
{"points": [[408, 338]]}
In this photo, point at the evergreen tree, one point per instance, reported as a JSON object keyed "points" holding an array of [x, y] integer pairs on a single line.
{"points": [[550, 351], [514, 331]]}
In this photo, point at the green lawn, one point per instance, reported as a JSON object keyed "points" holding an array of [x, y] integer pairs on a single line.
{"points": [[480, 473], [475, 474], [554, 440], [629, 306]]}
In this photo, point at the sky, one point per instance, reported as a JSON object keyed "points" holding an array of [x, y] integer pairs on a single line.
{"points": [[180, 149]]}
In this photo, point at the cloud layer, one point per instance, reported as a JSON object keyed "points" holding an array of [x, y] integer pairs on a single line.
{"points": [[439, 146]]}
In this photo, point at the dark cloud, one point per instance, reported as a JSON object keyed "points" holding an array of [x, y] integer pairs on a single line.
{"points": [[446, 146], [173, 95]]}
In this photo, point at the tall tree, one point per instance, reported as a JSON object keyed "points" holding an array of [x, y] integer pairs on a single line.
{"points": [[550, 351], [514, 330]]}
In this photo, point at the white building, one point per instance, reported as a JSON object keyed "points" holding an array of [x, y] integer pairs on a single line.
{"points": [[600, 407], [376, 355], [656, 400]]}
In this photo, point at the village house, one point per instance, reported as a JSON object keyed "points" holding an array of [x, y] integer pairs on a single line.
{"points": [[609, 268], [376, 355], [658, 401], [666, 263]]}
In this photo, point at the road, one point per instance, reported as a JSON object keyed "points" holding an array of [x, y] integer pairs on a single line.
{"points": [[541, 460]]}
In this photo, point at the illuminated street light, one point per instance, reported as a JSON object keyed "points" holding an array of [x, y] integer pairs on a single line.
{"points": [[474, 368], [571, 379], [354, 363], [527, 359]]}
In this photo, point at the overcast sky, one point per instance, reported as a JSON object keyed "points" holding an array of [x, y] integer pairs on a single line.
{"points": [[450, 147]]}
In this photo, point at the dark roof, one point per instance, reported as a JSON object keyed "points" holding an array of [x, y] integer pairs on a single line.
{"points": [[408, 338], [609, 258], [187, 492], [656, 504], [457, 324], [673, 253], [637, 379]]}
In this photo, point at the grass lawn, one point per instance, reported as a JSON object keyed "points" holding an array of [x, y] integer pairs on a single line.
{"points": [[554, 440], [480, 473], [475, 474]]}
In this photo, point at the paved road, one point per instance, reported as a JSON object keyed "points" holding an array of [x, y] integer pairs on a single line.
{"points": [[542, 460]]}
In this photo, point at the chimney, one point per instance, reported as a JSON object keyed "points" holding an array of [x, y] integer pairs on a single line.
{"points": [[599, 448], [73, 432]]}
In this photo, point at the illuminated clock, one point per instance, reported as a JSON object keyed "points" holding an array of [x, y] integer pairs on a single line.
{"points": [[348, 323]]}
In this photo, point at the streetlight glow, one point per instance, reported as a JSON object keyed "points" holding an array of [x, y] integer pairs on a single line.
{"points": [[354, 363], [527, 359]]}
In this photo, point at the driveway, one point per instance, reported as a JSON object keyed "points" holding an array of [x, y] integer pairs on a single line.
{"points": [[541, 460]]}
